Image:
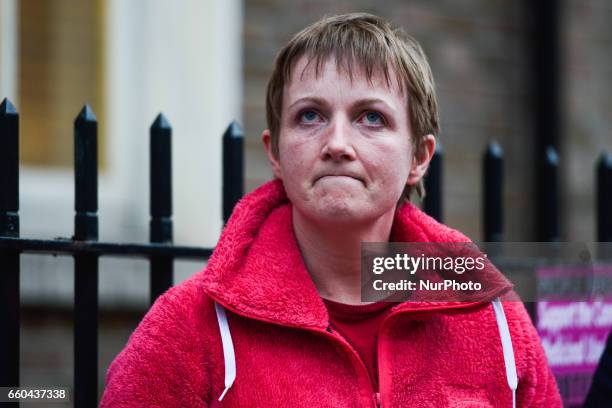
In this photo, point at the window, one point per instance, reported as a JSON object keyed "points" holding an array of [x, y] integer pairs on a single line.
{"points": [[60, 68]]}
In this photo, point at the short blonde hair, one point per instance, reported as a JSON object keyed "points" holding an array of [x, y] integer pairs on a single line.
{"points": [[372, 43]]}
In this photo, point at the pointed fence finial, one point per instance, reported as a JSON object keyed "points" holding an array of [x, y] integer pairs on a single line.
{"points": [[7, 107], [161, 122], [86, 115]]}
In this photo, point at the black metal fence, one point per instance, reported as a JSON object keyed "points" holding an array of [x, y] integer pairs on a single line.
{"points": [[84, 245], [86, 249], [548, 222]]}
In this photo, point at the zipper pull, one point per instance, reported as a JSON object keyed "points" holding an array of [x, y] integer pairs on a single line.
{"points": [[377, 400]]}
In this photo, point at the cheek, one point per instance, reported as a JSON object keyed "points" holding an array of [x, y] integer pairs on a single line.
{"points": [[296, 152], [293, 162], [393, 162]]}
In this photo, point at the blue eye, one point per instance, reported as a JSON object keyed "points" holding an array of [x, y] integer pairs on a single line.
{"points": [[309, 116], [373, 118]]}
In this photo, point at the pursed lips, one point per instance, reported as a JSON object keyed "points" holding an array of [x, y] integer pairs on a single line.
{"points": [[340, 175]]}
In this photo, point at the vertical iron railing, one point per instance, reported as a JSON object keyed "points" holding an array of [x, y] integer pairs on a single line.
{"points": [[604, 198], [161, 203], [9, 260], [86, 265], [548, 214], [233, 168], [433, 186], [493, 185], [547, 106]]}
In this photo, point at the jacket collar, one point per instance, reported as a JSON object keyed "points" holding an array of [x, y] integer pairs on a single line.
{"points": [[257, 269]]}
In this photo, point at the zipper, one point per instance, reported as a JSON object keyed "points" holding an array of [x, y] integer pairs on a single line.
{"points": [[382, 378], [377, 399], [357, 362], [382, 374]]}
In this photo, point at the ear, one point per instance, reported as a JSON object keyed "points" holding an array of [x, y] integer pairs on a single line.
{"points": [[421, 159], [266, 138]]}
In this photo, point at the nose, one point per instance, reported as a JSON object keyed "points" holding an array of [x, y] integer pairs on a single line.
{"points": [[338, 145]]}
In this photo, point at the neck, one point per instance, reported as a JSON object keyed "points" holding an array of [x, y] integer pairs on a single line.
{"points": [[332, 253]]}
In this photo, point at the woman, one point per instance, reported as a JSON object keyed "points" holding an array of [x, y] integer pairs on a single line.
{"points": [[275, 319]]}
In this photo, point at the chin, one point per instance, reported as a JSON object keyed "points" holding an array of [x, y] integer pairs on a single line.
{"points": [[340, 213]]}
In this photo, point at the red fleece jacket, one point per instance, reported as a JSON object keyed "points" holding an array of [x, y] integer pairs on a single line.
{"points": [[429, 354]]}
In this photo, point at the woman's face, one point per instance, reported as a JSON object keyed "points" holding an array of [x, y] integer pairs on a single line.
{"points": [[345, 150]]}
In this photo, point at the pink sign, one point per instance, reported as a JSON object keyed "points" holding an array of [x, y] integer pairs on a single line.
{"points": [[573, 324], [574, 335]]}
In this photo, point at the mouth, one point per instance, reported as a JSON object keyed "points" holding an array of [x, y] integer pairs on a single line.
{"points": [[349, 176]]}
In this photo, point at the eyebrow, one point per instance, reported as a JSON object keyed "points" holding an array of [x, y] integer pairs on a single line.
{"points": [[373, 101], [312, 99], [359, 103]]}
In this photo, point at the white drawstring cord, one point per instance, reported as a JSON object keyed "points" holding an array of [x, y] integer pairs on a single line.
{"points": [[504, 333], [228, 349]]}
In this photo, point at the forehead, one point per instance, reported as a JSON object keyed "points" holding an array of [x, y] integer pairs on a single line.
{"points": [[341, 80]]}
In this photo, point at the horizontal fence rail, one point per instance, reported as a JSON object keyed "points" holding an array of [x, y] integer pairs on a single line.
{"points": [[161, 251], [71, 247]]}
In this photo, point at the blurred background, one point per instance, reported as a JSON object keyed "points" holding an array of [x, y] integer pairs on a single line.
{"points": [[204, 63]]}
